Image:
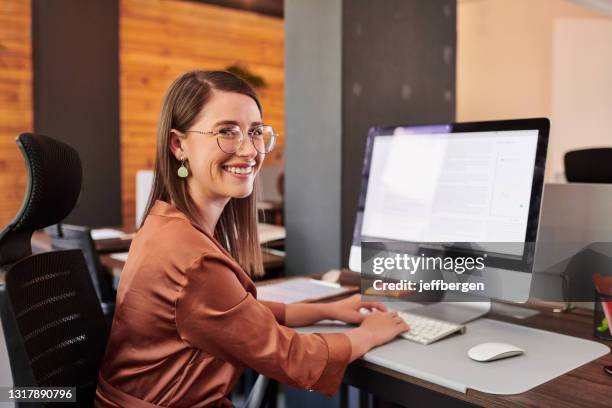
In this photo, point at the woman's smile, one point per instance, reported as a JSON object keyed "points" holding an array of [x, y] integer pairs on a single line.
{"points": [[242, 170]]}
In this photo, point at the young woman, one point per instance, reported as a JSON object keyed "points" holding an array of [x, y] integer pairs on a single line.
{"points": [[187, 318]]}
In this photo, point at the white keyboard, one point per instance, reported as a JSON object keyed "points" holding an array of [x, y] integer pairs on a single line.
{"points": [[426, 330]]}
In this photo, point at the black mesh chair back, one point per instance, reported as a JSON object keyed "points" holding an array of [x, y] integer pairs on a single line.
{"points": [[589, 165], [66, 236], [54, 184], [53, 324]]}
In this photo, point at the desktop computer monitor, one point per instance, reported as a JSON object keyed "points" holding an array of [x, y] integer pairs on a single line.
{"points": [[479, 183]]}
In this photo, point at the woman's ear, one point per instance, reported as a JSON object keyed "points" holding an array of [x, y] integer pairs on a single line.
{"points": [[176, 146]]}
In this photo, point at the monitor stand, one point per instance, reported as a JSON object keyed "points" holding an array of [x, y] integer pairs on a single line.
{"points": [[455, 308]]}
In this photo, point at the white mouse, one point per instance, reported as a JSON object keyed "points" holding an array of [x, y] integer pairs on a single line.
{"points": [[493, 351]]}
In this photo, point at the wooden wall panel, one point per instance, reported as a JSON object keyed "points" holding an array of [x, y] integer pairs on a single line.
{"points": [[15, 101], [161, 39]]}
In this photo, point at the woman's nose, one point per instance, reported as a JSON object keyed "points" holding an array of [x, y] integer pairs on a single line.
{"points": [[247, 149]]}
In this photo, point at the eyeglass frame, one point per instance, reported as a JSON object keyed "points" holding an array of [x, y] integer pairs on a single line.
{"points": [[249, 133]]}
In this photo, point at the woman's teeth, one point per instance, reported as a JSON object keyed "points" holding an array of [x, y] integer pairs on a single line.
{"points": [[239, 170]]}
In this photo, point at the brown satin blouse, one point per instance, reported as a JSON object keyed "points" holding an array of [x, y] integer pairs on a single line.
{"points": [[187, 322]]}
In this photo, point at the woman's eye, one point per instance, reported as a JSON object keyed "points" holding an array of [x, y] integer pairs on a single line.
{"points": [[229, 132], [257, 132]]}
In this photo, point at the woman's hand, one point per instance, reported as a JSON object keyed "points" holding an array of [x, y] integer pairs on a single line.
{"points": [[384, 327], [377, 328], [348, 310]]}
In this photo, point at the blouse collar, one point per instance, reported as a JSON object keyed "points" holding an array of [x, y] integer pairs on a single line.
{"points": [[165, 209]]}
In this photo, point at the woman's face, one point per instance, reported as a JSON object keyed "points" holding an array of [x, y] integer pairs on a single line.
{"points": [[214, 174]]}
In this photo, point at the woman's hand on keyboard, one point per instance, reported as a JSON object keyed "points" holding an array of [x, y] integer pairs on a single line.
{"points": [[376, 328], [384, 326]]}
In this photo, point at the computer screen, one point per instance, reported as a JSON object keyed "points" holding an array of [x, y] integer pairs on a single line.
{"points": [[478, 182], [469, 186]]}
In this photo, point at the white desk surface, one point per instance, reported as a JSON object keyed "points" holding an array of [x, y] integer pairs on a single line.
{"points": [[548, 355]]}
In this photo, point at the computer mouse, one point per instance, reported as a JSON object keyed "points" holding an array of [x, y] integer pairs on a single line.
{"points": [[493, 351]]}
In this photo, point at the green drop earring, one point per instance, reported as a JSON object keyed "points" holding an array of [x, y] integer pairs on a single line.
{"points": [[182, 171]]}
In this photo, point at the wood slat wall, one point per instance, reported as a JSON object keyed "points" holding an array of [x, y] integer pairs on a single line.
{"points": [[161, 39], [15, 101], [158, 41]]}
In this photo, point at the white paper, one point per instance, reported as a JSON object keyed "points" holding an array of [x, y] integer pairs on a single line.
{"points": [[120, 256], [297, 290], [270, 232], [106, 233]]}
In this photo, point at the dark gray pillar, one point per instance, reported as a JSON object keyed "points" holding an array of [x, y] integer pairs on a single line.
{"points": [[75, 50], [398, 67], [351, 65]]}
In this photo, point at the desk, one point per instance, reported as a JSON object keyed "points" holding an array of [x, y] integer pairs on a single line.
{"points": [[41, 242], [586, 386]]}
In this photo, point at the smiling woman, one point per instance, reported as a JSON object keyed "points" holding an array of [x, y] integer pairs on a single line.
{"points": [[187, 319], [195, 103]]}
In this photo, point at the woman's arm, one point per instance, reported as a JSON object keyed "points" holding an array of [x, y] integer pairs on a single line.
{"points": [[376, 328], [213, 312], [346, 310], [305, 314]]}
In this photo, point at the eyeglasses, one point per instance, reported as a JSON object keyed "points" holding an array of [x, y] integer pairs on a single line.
{"points": [[230, 137]]}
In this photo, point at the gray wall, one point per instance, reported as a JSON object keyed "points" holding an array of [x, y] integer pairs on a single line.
{"points": [[313, 96], [350, 65]]}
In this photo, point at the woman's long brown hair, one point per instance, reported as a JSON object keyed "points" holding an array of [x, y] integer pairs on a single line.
{"points": [[236, 229]]}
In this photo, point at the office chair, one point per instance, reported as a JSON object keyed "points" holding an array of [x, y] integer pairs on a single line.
{"points": [[66, 236], [589, 165], [53, 324]]}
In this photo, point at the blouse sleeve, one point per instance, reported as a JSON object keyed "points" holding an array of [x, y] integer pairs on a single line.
{"points": [[217, 315], [277, 309]]}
